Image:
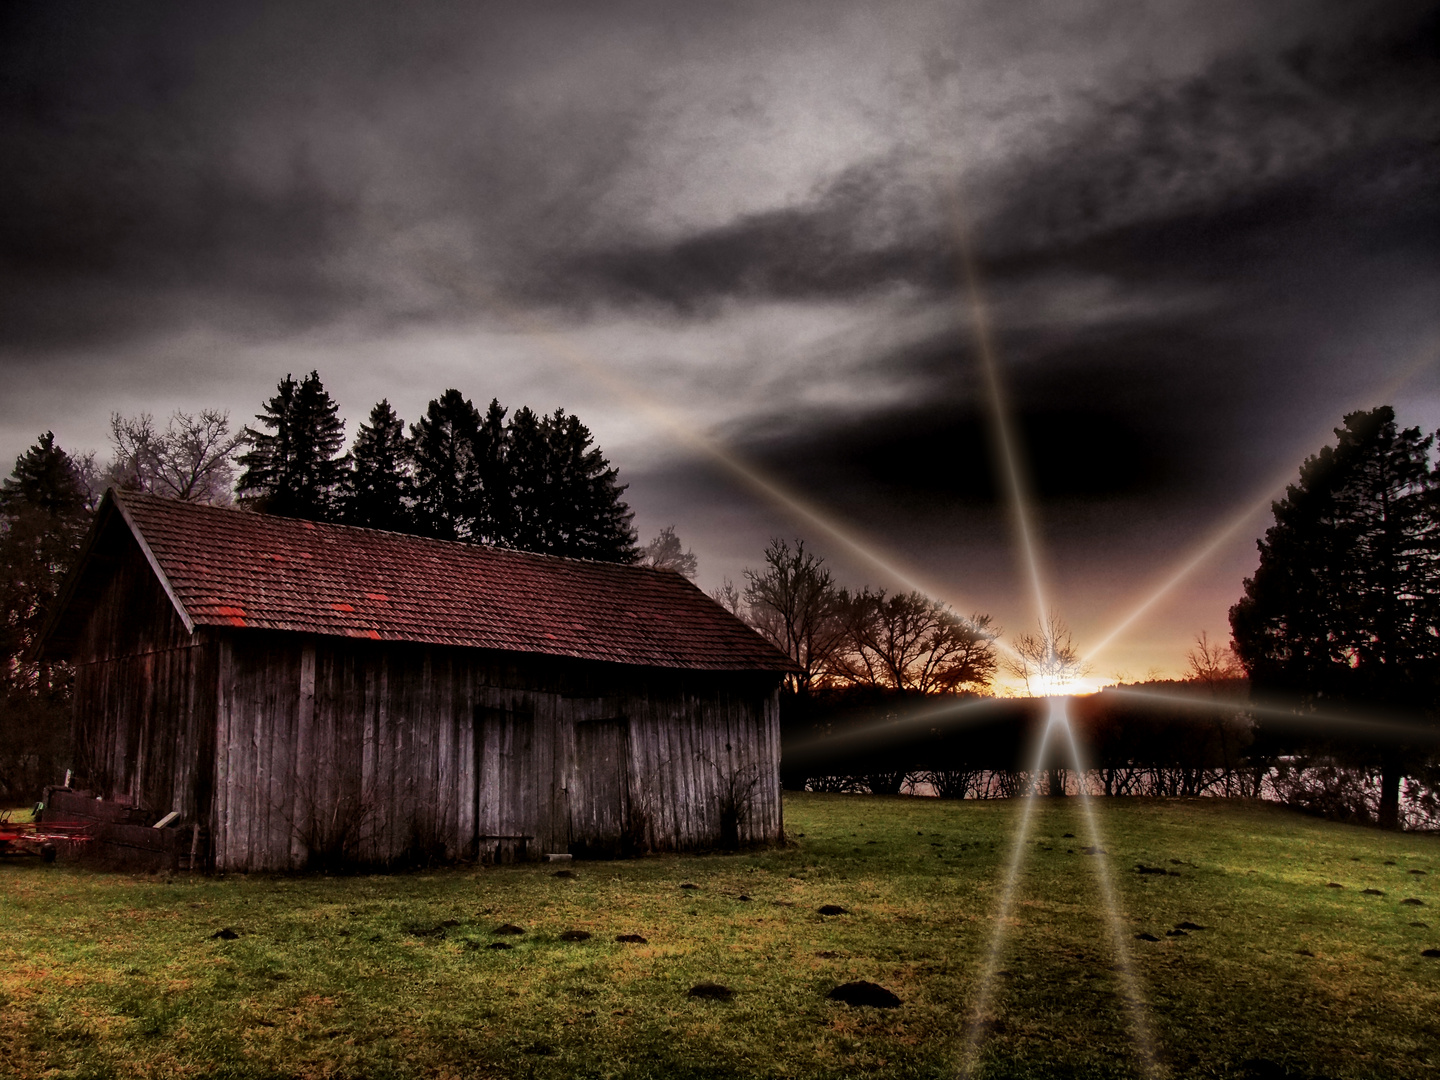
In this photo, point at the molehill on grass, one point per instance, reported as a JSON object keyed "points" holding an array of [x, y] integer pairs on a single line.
{"points": [[865, 993], [709, 991]]}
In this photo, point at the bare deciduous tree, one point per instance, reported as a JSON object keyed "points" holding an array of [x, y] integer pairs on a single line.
{"points": [[666, 552], [192, 459], [1212, 663], [910, 642], [1047, 662], [793, 603], [728, 597]]}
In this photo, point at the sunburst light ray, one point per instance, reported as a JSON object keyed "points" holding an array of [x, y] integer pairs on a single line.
{"points": [[1132, 993], [1011, 466], [1297, 714], [985, 988]]}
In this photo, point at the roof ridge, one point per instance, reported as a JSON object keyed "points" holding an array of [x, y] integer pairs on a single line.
{"points": [[467, 544]]}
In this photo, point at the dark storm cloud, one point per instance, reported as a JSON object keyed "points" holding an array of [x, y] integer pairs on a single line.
{"points": [[1095, 423], [302, 163], [278, 167], [1339, 137], [1300, 185], [871, 227], [120, 186], [1252, 143]]}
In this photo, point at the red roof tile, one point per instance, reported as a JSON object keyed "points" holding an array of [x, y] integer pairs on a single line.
{"points": [[232, 568]]}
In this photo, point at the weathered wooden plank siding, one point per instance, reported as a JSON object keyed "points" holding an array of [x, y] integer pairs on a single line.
{"points": [[143, 713], [356, 752]]}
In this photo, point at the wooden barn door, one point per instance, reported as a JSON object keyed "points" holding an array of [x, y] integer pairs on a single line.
{"points": [[512, 785], [600, 790]]}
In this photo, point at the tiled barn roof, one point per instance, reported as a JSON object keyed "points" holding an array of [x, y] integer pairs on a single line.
{"points": [[231, 568]]}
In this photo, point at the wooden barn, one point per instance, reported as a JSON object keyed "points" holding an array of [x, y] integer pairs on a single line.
{"points": [[313, 694]]}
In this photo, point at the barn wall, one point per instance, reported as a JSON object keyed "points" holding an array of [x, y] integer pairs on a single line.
{"points": [[144, 703], [353, 752]]}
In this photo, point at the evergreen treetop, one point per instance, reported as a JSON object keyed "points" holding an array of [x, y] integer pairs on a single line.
{"points": [[444, 444], [567, 496], [379, 489], [45, 479], [44, 512], [292, 469]]}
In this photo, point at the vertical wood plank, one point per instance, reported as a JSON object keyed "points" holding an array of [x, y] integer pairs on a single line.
{"points": [[224, 751]]}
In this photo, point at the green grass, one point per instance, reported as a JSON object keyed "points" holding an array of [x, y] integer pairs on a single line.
{"points": [[106, 975]]}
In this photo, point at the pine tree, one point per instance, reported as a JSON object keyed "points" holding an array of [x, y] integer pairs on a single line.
{"points": [[493, 517], [1344, 608], [566, 495], [530, 525], [47, 479], [379, 489], [44, 512], [292, 470], [445, 443]]}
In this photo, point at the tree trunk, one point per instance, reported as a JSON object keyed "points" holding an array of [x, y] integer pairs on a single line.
{"points": [[1390, 774]]}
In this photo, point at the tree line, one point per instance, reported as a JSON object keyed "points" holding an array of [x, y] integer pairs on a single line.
{"points": [[526, 481]]}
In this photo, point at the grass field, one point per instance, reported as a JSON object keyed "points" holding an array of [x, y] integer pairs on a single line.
{"points": [[104, 975]]}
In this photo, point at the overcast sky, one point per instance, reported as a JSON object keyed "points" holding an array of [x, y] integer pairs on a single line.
{"points": [[1203, 232]]}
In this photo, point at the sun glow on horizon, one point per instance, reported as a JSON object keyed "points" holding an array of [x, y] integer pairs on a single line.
{"points": [[1079, 686]]}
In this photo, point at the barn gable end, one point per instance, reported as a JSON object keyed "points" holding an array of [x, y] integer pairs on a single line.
{"points": [[144, 702], [300, 727]]}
